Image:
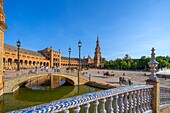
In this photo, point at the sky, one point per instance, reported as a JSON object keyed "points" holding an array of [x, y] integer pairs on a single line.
{"points": [[123, 26]]}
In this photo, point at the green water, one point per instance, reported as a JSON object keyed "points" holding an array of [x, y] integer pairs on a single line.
{"points": [[25, 97]]}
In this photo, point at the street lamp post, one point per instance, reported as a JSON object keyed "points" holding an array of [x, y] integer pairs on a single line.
{"points": [[79, 45], [69, 50], [153, 64], [18, 64]]}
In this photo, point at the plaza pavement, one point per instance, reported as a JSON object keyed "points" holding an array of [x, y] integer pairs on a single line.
{"points": [[137, 77]]}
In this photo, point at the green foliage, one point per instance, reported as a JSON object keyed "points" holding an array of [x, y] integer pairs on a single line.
{"points": [[127, 63]]}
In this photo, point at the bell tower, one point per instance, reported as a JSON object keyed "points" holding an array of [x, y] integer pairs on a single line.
{"points": [[97, 55], [3, 26]]}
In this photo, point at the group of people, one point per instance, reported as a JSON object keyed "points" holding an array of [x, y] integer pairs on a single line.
{"points": [[123, 80], [43, 68], [107, 74]]}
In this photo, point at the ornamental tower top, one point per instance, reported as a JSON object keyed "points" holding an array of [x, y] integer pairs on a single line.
{"points": [[3, 26], [97, 54]]}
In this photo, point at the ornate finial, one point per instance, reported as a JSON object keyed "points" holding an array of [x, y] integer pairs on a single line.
{"points": [[59, 50], [97, 38], [153, 53], [153, 64]]}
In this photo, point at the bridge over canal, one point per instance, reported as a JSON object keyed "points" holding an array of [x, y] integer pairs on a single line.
{"points": [[12, 84]]}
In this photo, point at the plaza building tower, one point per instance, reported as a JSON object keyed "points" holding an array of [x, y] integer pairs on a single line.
{"points": [[97, 55], [3, 26]]}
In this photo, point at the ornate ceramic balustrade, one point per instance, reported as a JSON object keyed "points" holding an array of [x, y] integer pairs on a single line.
{"points": [[129, 99], [164, 97]]}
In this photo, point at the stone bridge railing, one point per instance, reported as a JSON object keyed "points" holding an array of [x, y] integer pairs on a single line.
{"points": [[25, 72], [164, 97], [28, 72], [129, 99]]}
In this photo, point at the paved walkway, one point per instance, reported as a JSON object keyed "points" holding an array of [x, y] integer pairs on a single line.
{"points": [[137, 77]]}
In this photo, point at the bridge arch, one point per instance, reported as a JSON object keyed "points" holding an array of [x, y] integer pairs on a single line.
{"points": [[12, 85]]}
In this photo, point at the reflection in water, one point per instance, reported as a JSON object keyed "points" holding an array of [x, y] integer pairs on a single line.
{"points": [[26, 97], [48, 87]]}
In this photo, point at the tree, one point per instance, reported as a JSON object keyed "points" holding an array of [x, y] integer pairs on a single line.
{"points": [[133, 66], [123, 64]]}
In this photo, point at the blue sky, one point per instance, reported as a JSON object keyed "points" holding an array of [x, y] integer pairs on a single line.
{"points": [[124, 26]]}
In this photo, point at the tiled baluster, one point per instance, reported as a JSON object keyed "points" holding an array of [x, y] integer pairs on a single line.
{"points": [[165, 96], [134, 101], [147, 99], [150, 98], [130, 102], [164, 93], [65, 111], [146, 103], [95, 106], [103, 110], [115, 101], [141, 103], [121, 104], [126, 103], [76, 109], [144, 99], [168, 97], [138, 101], [110, 108], [86, 107]]}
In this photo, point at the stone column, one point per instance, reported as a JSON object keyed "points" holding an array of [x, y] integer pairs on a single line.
{"points": [[51, 58], [155, 95], [3, 26], [153, 80], [59, 60], [12, 64], [1, 61]]}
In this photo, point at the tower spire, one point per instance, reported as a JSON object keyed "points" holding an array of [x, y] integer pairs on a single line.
{"points": [[97, 54], [2, 16], [97, 42]]}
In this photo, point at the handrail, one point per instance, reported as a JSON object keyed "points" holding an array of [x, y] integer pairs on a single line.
{"points": [[164, 97], [139, 95]]}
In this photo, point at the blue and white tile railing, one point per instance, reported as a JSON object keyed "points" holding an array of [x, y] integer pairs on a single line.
{"points": [[164, 97], [129, 99]]}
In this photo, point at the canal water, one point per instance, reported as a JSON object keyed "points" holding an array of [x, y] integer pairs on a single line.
{"points": [[26, 97]]}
